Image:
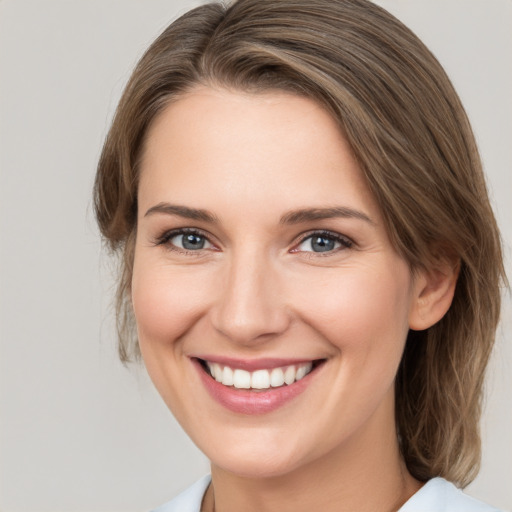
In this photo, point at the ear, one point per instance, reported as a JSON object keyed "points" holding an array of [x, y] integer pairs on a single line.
{"points": [[433, 294]]}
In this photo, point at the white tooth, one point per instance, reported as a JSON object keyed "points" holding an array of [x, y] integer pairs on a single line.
{"points": [[303, 370], [260, 379], [241, 379], [217, 372], [227, 376], [289, 375], [277, 377], [210, 367]]}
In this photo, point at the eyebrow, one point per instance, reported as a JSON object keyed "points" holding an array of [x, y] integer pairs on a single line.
{"points": [[182, 211], [309, 214], [291, 217]]}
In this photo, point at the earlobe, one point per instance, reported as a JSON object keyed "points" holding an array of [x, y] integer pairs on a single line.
{"points": [[433, 294]]}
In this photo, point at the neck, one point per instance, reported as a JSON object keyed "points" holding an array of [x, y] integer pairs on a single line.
{"points": [[366, 473]]}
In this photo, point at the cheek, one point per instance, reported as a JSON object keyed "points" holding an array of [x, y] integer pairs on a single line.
{"points": [[360, 311], [166, 303], [364, 317]]}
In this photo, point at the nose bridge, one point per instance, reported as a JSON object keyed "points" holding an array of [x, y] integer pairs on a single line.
{"points": [[250, 306]]}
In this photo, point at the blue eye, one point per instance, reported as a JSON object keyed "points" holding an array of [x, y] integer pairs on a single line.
{"points": [[190, 241], [323, 243], [184, 240]]}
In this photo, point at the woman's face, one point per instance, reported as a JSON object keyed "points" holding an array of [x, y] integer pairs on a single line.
{"points": [[262, 256]]}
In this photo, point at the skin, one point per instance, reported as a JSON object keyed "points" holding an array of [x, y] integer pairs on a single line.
{"points": [[258, 289]]}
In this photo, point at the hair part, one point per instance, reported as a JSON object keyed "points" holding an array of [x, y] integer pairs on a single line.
{"points": [[414, 144]]}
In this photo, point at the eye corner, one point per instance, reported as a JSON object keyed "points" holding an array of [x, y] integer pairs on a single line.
{"points": [[197, 242], [327, 242]]}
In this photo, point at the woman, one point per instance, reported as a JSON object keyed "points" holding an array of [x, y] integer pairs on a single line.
{"points": [[309, 255]]}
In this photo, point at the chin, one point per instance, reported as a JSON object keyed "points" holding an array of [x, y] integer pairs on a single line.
{"points": [[263, 467], [254, 462]]}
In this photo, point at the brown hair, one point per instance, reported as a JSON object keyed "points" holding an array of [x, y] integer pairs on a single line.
{"points": [[413, 141]]}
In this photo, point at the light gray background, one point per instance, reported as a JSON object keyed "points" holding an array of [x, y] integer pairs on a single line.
{"points": [[78, 432]]}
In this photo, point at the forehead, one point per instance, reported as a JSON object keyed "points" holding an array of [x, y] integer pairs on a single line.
{"points": [[274, 147]]}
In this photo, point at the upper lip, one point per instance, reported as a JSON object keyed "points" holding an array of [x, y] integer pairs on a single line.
{"points": [[266, 363]]}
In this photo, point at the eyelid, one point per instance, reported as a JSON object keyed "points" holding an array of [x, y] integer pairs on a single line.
{"points": [[344, 240], [166, 236]]}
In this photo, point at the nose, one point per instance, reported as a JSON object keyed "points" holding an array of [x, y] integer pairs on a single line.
{"points": [[251, 307]]}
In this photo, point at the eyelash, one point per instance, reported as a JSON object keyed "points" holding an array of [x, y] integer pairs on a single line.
{"points": [[165, 238], [345, 242]]}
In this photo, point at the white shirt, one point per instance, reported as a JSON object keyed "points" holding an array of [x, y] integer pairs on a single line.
{"points": [[437, 495]]}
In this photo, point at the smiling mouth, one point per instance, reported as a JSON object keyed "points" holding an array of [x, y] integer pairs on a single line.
{"points": [[261, 379]]}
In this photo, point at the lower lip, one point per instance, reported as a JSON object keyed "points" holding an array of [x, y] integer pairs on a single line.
{"points": [[244, 401]]}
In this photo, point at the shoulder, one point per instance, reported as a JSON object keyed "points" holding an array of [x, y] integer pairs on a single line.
{"points": [[439, 495], [189, 500]]}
